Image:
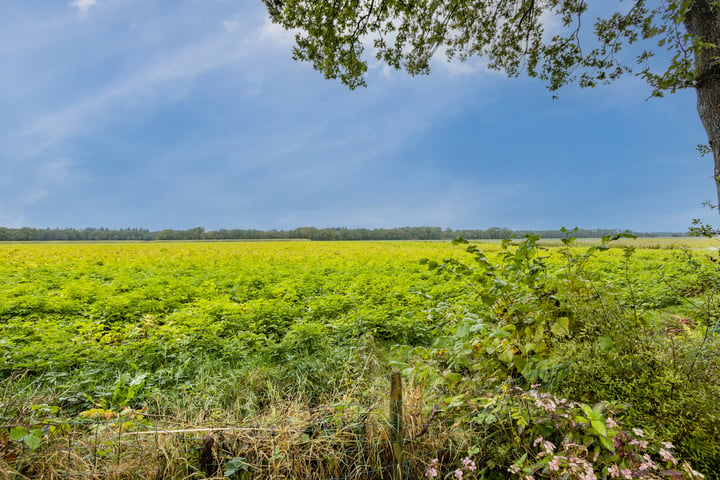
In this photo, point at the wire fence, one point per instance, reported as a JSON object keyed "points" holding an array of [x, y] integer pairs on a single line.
{"points": [[395, 439]]}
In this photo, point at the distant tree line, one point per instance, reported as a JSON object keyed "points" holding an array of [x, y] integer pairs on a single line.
{"points": [[308, 233]]}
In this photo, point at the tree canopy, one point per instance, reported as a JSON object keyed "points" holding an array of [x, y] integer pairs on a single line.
{"points": [[333, 36], [672, 44]]}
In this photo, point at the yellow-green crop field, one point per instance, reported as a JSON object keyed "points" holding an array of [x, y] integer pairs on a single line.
{"points": [[125, 308], [65, 307], [70, 306], [221, 330]]}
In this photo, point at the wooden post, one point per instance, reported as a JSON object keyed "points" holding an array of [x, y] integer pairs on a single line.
{"points": [[396, 425]]}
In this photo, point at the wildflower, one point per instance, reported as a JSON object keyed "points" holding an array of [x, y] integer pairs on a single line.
{"points": [[432, 469], [640, 443], [469, 464], [549, 447], [638, 432], [614, 471], [458, 474], [667, 445], [667, 456], [554, 464], [626, 473], [696, 474], [648, 463], [610, 423]]}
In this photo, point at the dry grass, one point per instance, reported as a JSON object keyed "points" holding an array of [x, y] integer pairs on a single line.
{"points": [[346, 441]]}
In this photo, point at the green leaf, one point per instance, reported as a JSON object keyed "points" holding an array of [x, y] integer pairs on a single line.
{"points": [[606, 345], [599, 426], [453, 377], [561, 327], [18, 433], [608, 444], [234, 466], [580, 419], [32, 441], [398, 365], [507, 356]]}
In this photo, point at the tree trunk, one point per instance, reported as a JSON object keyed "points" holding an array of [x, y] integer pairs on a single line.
{"points": [[703, 23]]}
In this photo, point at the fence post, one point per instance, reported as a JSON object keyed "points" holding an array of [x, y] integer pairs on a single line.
{"points": [[396, 423]]}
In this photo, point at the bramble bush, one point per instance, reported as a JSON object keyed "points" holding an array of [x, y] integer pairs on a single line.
{"points": [[592, 340], [539, 435]]}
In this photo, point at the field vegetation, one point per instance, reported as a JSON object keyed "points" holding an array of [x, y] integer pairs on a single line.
{"points": [[611, 352]]}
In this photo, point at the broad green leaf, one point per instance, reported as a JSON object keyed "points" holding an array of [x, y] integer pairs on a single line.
{"points": [[561, 327], [599, 426], [606, 345], [607, 443], [32, 441], [580, 419], [18, 433], [453, 377], [507, 356], [234, 466]]}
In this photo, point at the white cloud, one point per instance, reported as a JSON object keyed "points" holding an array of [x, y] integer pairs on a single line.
{"points": [[159, 79], [231, 25], [83, 5], [276, 35]]}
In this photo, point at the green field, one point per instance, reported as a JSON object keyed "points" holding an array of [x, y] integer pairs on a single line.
{"points": [[223, 332]]}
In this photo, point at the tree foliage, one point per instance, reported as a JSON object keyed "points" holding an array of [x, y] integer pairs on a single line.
{"points": [[514, 35], [309, 233]]}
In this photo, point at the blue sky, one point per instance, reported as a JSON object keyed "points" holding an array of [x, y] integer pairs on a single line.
{"points": [[176, 114]]}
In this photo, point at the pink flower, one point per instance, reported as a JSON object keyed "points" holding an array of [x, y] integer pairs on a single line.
{"points": [[614, 471], [469, 464], [648, 463], [667, 456], [549, 447], [640, 443], [667, 445], [626, 473], [432, 469], [554, 464], [638, 432], [458, 474], [610, 423]]}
